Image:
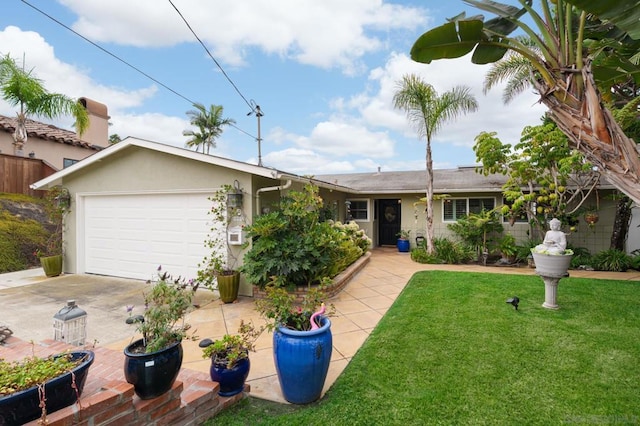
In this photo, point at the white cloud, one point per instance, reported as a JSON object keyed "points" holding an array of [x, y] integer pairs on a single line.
{"points": [[308, 31], [305, 162]]}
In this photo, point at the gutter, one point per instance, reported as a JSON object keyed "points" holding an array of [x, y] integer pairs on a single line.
{"points": [[268, 189]]}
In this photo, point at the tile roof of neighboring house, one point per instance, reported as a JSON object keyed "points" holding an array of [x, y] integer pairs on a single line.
{"points": [[462, 179], [47, 132]]}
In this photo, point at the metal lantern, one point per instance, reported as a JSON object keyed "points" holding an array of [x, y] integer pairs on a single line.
{"points": [[234, 198], [70, 324]]}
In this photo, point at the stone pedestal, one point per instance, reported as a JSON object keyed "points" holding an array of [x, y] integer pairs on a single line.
{"points": [[550, 292]]}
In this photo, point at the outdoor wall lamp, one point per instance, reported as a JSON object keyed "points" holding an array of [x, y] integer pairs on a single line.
{"points": [[63, 200], [234, 199]]}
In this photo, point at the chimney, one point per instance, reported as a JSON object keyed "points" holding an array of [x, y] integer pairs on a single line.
{"points": [[98, 131]]}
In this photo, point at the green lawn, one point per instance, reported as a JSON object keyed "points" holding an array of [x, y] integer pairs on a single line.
{"points": [[451, 351]]}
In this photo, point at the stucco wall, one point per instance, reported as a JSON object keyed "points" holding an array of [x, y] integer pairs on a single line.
{"points": [[413, 218]]}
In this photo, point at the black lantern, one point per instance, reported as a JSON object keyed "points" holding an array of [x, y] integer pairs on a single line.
{"points": [[234, 197]]}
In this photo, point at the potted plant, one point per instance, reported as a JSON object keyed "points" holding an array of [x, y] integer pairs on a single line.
{"points": [[229, 355], [591, 216], [153, 362], [403, 243], [35, 386], [56, 204], [302, 340], [216, 271]]}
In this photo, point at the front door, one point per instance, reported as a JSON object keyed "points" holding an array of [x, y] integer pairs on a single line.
{"points": [[389, 220]]}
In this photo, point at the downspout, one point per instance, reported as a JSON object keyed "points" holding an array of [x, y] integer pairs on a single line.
{"points": [[267, 189]]}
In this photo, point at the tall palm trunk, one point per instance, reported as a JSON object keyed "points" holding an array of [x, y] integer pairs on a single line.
{"points": [[592, 130], [429, 193]]}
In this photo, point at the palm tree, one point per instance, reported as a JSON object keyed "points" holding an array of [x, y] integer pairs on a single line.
{"points": [[209, 125], [577, 42], [428, 112], [21, 88]]}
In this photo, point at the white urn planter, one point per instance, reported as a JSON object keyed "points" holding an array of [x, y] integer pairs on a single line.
{"points": [[551, 268]]}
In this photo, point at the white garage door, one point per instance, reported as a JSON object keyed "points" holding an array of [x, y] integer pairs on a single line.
{"points": [[131, 235]]}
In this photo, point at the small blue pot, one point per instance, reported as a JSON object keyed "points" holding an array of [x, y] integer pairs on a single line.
{"points": [[403, 245], [302, 361], [231, 380]]}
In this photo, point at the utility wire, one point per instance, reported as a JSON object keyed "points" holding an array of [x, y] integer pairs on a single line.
{"points": [[109, 53], [212, 58], [127, 63]]}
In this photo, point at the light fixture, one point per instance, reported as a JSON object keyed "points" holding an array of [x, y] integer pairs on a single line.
{"points": [[234, 199]]}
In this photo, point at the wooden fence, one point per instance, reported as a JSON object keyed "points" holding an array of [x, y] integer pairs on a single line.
{"points": [[17, 173]]}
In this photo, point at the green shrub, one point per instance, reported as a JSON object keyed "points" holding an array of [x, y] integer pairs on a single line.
{"points": [[478, 230], [420, 255], [611, 260], [581, 260], [19, 241], [293, 244], [445, 251]]}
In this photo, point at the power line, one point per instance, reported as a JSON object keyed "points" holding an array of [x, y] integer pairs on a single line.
{"points": [[211, 56], [108, 53], [122, 60]]}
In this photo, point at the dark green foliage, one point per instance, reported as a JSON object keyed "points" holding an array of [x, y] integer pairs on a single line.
{"points": [[293, 244], [581, 257], [635, 262], [420, 255], [524, 251], [611, 260], [20, 239], [480, 231], [445, 251]]}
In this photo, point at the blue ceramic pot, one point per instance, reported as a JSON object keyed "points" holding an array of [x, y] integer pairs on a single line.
{"points": [[152, 374], [403, 245], [302, 361], [22, 407], [231, 380]]}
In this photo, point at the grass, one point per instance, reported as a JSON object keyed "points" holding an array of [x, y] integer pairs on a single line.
{"points": [[451, 351]]}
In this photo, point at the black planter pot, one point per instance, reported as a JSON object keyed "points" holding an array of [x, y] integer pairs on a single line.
{"points": [[152, 374], [231, 380], [24, 406]]}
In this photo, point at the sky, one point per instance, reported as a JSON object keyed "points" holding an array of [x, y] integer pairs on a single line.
{"points": [[323, 73]]}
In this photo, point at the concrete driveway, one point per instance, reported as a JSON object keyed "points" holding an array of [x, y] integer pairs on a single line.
{"points": [[29, 300]]}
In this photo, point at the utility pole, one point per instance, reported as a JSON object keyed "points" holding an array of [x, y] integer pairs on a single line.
{"points": [[258, 112]]}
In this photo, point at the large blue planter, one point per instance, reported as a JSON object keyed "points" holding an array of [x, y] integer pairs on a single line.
{"points": [[24, 406], [152, 374], [231, 380], [403, 245], [302, 361]]}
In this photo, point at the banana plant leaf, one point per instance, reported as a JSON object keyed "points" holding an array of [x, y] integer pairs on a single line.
{"points": [[624, 14]]}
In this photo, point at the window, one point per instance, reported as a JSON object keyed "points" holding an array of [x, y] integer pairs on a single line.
{"points": [[457, 208], [68, 162], [359, 210], [520, 218]]}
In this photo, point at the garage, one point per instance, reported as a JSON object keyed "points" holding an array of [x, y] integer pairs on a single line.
{"points": [[130, 235]]}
